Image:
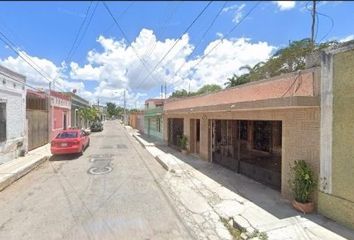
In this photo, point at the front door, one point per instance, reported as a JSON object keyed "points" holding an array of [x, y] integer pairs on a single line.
{"points": [[64, 122]]}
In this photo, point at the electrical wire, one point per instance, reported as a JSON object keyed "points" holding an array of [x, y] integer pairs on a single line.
{"points": [[231, 30], [203, 36], [175, 43], [78, 32]]}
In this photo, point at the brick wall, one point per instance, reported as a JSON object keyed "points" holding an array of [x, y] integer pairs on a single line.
{"points": [[300, 136]]}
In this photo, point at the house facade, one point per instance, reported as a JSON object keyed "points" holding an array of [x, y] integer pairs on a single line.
{"points": [[336, 191], [78, 103], [12, 115], [259, 129], [38, 118], [153, 118], [136, 120], [256, 129], [60, 108]]}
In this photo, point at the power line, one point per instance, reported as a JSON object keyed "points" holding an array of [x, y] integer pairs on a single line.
{"points": [[78, 33], [225, 36], [175, 43], [125, 36], [28, 60], [85, 30], [150, 50], [203, 36]]}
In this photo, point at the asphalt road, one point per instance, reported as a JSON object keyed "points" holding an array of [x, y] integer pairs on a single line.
{"points": [[109, 192]]}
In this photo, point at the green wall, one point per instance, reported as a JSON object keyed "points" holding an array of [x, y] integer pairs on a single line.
{"points": [[339, 205], [153, 131]]}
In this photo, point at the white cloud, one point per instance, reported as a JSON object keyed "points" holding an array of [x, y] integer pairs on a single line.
{"points": [[117, 67], [237, 11], [285, 5], [47, 68], [347, 38]]}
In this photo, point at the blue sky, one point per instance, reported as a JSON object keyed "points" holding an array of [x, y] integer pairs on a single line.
{"points": [[104, 64]]}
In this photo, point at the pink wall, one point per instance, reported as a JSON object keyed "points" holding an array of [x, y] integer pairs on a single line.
{"points": [[288, 85], [58, 120]]}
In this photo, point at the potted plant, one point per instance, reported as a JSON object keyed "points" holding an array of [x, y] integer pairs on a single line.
{"points": [[302, 185], [182, 142]]}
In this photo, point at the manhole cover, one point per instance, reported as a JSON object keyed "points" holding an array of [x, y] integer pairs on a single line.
{"points": [[121, 146], [100, 170]]}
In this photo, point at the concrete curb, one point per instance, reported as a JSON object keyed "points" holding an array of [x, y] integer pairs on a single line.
{"points": [[157, 157], [162, 163], [12, 177]]}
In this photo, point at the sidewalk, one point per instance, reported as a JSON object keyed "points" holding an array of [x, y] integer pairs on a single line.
{"points": [[209, 192], [17, 168]]}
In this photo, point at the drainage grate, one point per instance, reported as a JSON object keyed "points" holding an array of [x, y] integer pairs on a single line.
{"points": [[122, 146]]}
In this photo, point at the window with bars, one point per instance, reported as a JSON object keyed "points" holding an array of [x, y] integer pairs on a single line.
{"points": [[2, 121]]}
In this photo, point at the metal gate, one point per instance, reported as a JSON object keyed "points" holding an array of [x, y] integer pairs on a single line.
{"points": [[37, 128]]}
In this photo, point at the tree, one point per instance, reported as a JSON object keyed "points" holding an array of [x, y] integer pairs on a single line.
{"points": [[111, 109], [89, 114], [179, 93], [208, 88], [285, 60]]}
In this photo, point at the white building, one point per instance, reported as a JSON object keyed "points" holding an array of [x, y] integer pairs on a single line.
{"points": [[12, 114]]}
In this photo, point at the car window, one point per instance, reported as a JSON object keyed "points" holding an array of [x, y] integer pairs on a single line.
{"points": [[67, 135]]}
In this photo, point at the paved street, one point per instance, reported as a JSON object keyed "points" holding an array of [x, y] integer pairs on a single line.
{"points": [[109, 192]]}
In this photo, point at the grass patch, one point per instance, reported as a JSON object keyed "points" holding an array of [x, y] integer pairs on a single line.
{"points": [[239, 233]]}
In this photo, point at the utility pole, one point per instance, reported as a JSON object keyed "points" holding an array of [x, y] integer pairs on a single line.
{"points": [[165, 89], [313, 22], [49, 113], [125, 113]]}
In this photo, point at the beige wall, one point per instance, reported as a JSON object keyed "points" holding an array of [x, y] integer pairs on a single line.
{"points": [[300, 138]]}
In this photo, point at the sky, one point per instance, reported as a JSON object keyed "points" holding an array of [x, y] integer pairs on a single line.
{"points": [[183, 45]]}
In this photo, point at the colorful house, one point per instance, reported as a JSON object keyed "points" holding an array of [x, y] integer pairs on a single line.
{"points": [[60, 112], [153, 118], [256, 129], [12, 114]]}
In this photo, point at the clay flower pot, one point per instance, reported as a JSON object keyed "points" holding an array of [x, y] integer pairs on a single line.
{"points": [[303, 207], [184, 151]]}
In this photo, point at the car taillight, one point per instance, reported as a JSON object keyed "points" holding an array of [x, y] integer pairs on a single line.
{"points": [[76, 142]]}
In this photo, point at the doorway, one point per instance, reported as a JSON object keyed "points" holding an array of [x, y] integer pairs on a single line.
{"points": [[252, 148], [64, 122], [175, 130], [195, 136]]}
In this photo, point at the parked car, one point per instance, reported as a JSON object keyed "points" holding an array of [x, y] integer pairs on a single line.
{"points": [[70, 141], [96, 127]]}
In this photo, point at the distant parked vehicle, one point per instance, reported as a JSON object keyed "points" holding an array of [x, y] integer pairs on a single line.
{"points": [[96, 127], [70, 141]]}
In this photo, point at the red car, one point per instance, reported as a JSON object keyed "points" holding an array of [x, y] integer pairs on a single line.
{"points": [[70, 141]]}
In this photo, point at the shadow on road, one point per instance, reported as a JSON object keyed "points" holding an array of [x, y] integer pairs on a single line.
{"points": [[64, 157]]}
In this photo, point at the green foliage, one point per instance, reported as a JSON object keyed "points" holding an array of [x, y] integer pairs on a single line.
{"points": [[179, 93], [90, 113], [285, 60], [182, 142], [208, 88], [114, 110], [302, 181]]}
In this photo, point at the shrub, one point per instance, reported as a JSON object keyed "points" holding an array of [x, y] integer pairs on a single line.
{"points": [[302, 181]]}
